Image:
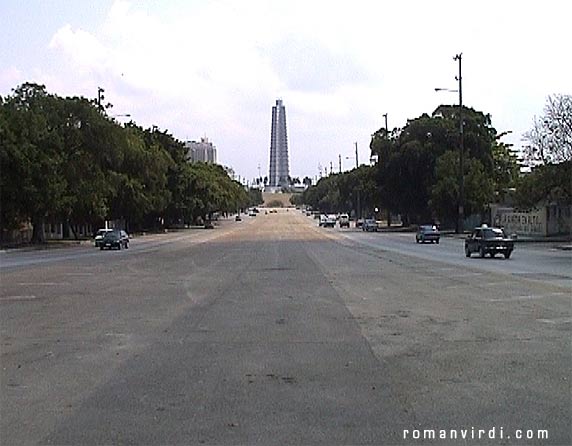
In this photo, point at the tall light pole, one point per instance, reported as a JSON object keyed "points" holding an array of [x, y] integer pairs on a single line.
{"points": [[387, 137], [461, 203], [357, 162], [459, 57]]}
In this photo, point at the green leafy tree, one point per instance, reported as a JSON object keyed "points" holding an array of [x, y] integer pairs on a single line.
{"points": [[479, 188], [32, 160], [407, 160]]}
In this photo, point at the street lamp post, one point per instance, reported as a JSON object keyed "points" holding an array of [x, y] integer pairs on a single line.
{"points": [[387, 137], [461, 203], [461, 223]]}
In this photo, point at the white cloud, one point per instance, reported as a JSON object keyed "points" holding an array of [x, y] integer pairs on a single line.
{"points": [[216, 67]]}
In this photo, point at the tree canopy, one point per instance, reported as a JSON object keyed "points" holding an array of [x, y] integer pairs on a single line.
{"points": [[66, 160]]}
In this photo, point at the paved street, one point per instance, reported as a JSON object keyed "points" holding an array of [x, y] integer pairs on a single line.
{"points": [[274, 331]]}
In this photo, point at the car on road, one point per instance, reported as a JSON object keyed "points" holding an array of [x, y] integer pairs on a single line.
{"points": [[99, 236], [117, 238], [344, 221], [427, 233], [489, 240], [327, 221], [238, 218], [369, 225]]}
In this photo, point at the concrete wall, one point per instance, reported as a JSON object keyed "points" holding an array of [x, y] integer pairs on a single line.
{"points": [[540, 222]]}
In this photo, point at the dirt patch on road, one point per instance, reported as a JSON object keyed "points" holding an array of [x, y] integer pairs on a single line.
{"points": [[270, 198]]}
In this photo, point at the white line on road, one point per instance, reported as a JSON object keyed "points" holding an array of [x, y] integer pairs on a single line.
{"points": [[42, 283], [528, 297], [25, 297], [556, 321]]}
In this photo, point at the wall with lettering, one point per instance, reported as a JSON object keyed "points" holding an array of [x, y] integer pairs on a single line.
{"points": [[522, 223]]}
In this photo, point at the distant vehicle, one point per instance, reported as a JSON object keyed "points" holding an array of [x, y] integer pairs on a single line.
{"points": [[344, 221], [359, 222], [427, 233], [369, 225], [252, 214], [323, 219], [487, 240], [330, 221], [209, 224], [255, 210], [115, 239], [238, 218], [99, 236]]}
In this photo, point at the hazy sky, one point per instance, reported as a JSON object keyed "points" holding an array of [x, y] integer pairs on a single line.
{"points": [[216, 68]]}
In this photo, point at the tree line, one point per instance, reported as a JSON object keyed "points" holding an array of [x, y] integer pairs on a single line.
{"points": [[66, 160], [417, 173]]}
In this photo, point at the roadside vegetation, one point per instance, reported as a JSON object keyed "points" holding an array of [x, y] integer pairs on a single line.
{"points": [[67, 160], [417, 170]]}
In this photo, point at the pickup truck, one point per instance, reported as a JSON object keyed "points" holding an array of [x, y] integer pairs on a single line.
{"points": [[486, 240]]}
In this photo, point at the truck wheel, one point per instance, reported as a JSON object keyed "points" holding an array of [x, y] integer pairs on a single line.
{"points": [[467, 252], [507, 254], [482, 252]]}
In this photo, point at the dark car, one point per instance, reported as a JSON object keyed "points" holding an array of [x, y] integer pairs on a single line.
{"points": [[488, 240], [369, 225], [427, 233], [238, 218], [115, 239], [99, 236]]}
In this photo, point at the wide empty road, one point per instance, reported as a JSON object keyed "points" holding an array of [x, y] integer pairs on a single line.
{"points": [[272, 331]]}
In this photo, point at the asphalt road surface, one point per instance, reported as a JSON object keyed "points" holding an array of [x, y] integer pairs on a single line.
{"points": [[272, 331]]}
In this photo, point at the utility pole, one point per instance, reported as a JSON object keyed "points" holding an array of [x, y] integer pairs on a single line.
{"points": [[340, 162], [461, 221], [331, 167], [357, 162], [100, 97], [387, 137]]}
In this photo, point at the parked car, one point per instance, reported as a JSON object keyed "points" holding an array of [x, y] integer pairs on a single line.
{"points": [[209, 224], [344, 221], [369, 225], [99, 236], [427, 233], [489, 240], [115, 239], [238, 218]]}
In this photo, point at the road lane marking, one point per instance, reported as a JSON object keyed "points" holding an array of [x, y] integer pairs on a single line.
{"points": [[42, 283], [24, 297], [526, 297], [556, 321]]}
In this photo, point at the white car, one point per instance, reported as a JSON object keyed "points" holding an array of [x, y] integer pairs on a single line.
{"points": [[330, 221]]}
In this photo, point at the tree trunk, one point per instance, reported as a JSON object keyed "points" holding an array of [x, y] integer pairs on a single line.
{"points": [[38, 232], [75, 237]]}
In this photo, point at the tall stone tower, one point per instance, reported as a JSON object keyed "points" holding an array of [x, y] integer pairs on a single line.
{"points": [[279, 170]]}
